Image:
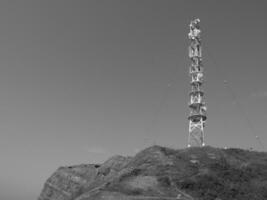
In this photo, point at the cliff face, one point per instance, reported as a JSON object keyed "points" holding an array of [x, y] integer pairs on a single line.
{"points": [[163, 173], [67, 183]]}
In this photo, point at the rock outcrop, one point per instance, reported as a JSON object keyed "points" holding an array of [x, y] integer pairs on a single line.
{"points": [[161, 173]]}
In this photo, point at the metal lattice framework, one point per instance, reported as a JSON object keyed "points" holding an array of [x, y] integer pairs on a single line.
{"points": [[197, 117]]}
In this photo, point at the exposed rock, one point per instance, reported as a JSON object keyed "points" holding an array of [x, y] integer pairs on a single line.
{"points": [[68, 182]]}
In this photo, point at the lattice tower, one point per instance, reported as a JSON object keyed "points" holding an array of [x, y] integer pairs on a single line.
{"points": [[197, 117]]}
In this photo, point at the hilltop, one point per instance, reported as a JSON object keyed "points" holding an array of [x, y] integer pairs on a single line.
{"points": [[203, 173]]}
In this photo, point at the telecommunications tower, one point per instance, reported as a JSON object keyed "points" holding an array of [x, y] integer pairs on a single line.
{"points": [[197, 117]]}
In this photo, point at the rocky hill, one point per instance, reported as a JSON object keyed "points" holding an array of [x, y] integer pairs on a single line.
{"points": [[159, 173]]}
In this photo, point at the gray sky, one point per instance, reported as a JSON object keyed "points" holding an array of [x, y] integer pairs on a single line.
{"points": [[83, 80]]}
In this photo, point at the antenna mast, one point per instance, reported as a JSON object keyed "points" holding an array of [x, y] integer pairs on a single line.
{"points": [[197, 117]]}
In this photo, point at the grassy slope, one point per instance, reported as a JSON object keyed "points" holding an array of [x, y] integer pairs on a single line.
{"points": [[205, 173]]}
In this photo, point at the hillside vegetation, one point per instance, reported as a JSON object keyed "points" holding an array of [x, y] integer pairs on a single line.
{"points": [[204, 173]]}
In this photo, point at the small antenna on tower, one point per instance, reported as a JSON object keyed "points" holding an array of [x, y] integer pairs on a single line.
{"points": [[197, 117]]}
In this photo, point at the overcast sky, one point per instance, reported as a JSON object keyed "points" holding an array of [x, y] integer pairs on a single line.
{"points": [[83, 80]]}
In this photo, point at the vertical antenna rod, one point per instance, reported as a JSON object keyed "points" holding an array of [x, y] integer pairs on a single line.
{"points": [[197, 117]]}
